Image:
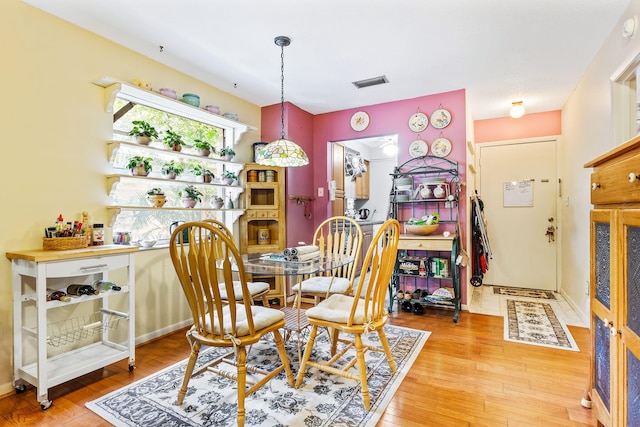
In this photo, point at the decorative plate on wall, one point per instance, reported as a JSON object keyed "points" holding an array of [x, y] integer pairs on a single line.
{"points": [[418, 148], [418, 122], [440, 119], [359, 121], [441, 147]]}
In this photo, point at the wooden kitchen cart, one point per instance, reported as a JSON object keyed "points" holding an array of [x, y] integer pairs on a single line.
{"points": [[57, 341]]}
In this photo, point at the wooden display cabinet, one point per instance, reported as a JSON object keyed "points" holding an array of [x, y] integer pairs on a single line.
{"points": [[264, 205]]}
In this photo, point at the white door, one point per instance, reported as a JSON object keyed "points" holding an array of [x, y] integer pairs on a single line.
{"points": [[519, 188]]}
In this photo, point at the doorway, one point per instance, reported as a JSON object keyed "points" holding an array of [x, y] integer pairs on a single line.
{"points": [[519, 188]]}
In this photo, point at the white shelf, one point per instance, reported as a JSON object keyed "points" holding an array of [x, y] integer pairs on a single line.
{"points": [[114, 145], [75, 363], [136, 95]]}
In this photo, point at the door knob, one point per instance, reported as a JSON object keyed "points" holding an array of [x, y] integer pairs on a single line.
{"points": [[595, 186], [633, 177]]}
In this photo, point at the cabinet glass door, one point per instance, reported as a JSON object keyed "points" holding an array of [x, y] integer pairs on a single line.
{"points": [[601, 305], [630, 319]]}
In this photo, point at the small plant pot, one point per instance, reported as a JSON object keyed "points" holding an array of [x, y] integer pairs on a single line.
{"points": [[139, 171], [204, 153], [228, 181], [176, 147], [188, 202], [206, 178], [156, 200], [217, 204], [170, 175], [228, 158], [143, 140]]}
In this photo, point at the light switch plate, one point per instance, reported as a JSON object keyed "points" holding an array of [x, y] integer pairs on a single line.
{"points": [[320, 191]]}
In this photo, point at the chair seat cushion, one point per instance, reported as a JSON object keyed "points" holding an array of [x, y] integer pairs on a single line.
{"points": [[263, 317], [255, 288], [320, 285], [337, 308]]}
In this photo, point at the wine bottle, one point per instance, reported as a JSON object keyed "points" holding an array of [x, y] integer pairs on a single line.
{"points": [[58, 296], [81, 290]]}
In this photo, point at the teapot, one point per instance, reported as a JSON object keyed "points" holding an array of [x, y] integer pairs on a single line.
{"points": [[185, 232], [364, 213]]}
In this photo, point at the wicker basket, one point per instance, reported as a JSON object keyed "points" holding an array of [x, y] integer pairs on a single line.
{"points": [[64, 243]]}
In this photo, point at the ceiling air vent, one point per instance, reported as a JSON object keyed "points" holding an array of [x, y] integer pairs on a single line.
{"points": [[371, 82]]}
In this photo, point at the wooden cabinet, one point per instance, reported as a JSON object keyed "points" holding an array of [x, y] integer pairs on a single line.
{"points": [[337, 175], [362, 183], [615, 286], [262, 226]]}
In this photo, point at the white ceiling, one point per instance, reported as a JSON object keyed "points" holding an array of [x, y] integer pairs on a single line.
{"points": [[498, 50]]}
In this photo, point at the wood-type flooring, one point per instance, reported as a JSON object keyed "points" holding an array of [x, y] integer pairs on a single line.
{"points": [[466, 375]]}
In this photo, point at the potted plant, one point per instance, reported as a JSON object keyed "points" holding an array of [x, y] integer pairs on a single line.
{"points": [[217, 202], [206, 174], [173, 140], [227, 153], [204, 148], [189, 196], [156, 197], [139, 166], [143, 132], [172, 169], [229, 176]]}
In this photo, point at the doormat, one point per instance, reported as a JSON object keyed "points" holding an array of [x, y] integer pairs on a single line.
{"points": [[535, 323], [523, 292], [322, 400]]}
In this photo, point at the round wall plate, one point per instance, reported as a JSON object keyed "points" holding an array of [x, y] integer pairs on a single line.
{"points": [[441, 118], [441, 147], [359, 121], [418, 122], [418, 148]]}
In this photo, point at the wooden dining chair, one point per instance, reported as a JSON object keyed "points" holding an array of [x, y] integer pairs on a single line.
{"points": [[357, 315], [204, 262], [257, 290], [335, 235]]}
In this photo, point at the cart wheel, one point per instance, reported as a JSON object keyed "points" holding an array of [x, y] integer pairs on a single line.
{"points": [[46, 404], [476, 281], [20, 388], [132, 367]]}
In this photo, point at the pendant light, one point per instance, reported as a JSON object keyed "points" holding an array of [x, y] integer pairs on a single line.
{"points": [[282, 152]]}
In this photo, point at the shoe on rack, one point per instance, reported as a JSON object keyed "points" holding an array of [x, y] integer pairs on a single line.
{"points": [[417, 308], [406, 306], [400, 294]]}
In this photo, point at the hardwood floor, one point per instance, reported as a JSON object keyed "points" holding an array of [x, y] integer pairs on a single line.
{"points": [[466, 375]]}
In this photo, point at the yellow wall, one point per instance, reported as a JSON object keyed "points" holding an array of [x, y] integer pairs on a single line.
{"points": [[53, 152]]}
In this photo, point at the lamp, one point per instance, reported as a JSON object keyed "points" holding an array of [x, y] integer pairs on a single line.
{"points": [[517, 110], [282, 152]]}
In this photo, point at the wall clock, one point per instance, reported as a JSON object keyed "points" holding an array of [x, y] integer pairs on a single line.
{"points": [[418, 122], [418, 148], [359, 121]]}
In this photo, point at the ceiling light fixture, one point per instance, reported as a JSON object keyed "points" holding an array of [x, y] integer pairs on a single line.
{"points": [[282, 152], [517, 110], [389, 148]]}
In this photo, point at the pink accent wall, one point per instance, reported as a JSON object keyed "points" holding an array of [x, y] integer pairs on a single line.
{"points": [[528, 126], [315, 133], [298, 127]]}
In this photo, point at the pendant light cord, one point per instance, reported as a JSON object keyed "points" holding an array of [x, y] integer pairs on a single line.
{"points": [[282, 91]]}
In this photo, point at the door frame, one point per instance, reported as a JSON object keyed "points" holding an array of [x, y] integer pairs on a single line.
{"points": [[559, 217]]}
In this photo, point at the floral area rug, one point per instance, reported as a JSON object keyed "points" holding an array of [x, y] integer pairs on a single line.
{"points": [[523, 292], [322, 400], [535, 323]]}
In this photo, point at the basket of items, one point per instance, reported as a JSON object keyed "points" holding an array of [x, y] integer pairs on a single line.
{"points": [[65, 243]]}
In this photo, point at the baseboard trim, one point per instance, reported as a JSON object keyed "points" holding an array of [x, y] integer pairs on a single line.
{"points": [[162, 331]]}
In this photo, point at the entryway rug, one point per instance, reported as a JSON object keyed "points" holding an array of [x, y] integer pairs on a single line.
{"points": [[322, 400], [523, 292], [535, 323]]}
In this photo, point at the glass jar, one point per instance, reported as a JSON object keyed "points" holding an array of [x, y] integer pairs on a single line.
{"points": [[97, 235]]}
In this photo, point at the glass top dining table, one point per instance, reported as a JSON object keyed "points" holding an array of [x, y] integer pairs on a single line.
{"points": [[274, 265]]}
